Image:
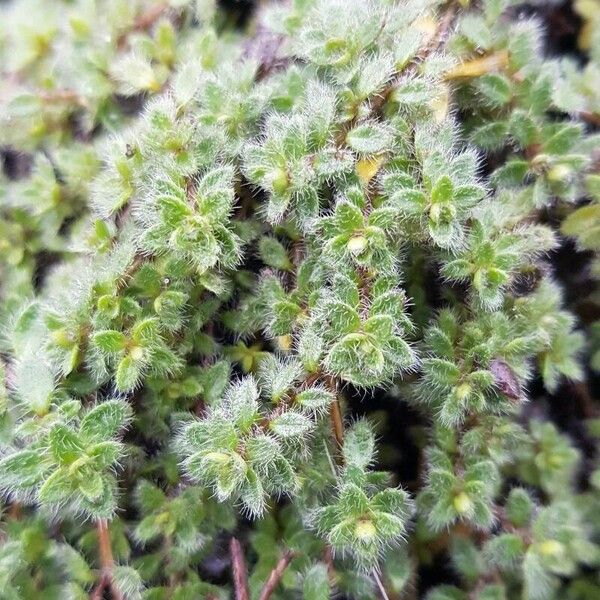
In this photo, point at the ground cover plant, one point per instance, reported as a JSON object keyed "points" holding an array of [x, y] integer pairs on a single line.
{"points": [[299, 299]]}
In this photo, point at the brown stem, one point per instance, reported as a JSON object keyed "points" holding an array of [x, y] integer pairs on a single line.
{"points": [[106, 563], [590, 117], [380, 586], [276, 575], [146, 19], [240, 574], [58, 96], [129, 272], [106, 555], [143, 22], [97, 592], [335, 414]]}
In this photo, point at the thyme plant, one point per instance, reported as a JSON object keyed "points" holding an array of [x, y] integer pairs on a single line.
{"points": [[298, 299]]}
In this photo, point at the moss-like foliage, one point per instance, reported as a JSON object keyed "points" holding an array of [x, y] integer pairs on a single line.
{"points": [[250, 253]]}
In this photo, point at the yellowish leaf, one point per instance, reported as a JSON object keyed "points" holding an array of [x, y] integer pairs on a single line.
{"points": [[366, 168], [480, 66]]}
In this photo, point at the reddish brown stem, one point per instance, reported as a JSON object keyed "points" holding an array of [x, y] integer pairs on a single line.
{"points": [[240, 573], [148, 18], [337, 423], [106, 563], [67, 96], [276, 575], [590, 117], [106, 555], [129, 272], [143, 22], [335, 414]]}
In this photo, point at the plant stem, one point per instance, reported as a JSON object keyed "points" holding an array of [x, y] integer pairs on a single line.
{"points": [[335, 413], [240, 573], [106, 563], [380, 585], [276, 575], [337, 423]]}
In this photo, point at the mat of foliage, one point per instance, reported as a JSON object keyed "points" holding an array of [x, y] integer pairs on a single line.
{"points": [[298, 299]]}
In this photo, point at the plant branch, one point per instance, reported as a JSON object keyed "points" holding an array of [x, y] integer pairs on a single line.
{"points": [[335, 415], [240, 573], [276, 575], [106, 563], [380, 585]]}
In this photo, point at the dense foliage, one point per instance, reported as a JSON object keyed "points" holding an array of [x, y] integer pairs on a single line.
{"points": [[298, 299]]}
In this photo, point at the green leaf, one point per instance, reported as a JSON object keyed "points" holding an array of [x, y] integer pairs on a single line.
{"points": [[442, 191], [380, 325], [214, 380], [147, 529], [511, 174], [149, 497], [75, 564], [446, 592], [128, 374], [348, 217], [369, 138], [91, 485], [128, 581], [285, 313], [35, 382], [105, 454], [343, 318], [57, 488], [65, 444], [357, 358], [492, 592], [490, 136], [522, 128], [274, 254], [254, 495], [25, 324], [359, 445], [495, 88], [475, 28], [504, 550], [315, 399], [394, 501], [412, 91], [110, 341], [315, 584], [519, 507], [105, 420], [291, 424], [174, 209], [592, 186], [468, 195], [229, 475], [242, 402], [584, 224], [563, 140], [145, 331], [22, 470]]}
